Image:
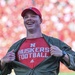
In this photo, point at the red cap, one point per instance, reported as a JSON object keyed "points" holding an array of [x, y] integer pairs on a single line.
{"points": [[35, 10]]}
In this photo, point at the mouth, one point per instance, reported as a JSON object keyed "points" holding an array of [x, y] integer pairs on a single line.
{"points": [[30, 22]]}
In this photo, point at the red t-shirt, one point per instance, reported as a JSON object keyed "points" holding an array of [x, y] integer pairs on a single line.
{"points": [[33, 51]]}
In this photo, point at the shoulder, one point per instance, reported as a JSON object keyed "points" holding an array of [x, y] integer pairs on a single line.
{"points": [[19, 41], [54, 41], [50, 38], [17, 44]]}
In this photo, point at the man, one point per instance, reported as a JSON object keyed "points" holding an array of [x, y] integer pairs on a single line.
{"points": [[37, 54]]}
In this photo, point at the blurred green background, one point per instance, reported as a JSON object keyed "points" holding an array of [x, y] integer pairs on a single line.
{"points": [[63, 73]]}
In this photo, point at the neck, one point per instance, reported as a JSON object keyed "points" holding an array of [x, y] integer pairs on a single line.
{"points": [[34, 35]]}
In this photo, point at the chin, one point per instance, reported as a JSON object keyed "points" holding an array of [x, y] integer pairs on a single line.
{"points": [[30, 29]]}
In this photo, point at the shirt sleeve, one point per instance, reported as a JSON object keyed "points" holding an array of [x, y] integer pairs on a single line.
{"points": [[70, 53], [63, 46], [71, 66], [6, 70]]}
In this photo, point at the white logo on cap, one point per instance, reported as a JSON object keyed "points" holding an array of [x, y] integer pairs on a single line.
{"points": [[30, 8]]}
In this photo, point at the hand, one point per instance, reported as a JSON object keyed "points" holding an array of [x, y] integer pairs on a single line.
{"points": [[55, 51], [10, 56]]}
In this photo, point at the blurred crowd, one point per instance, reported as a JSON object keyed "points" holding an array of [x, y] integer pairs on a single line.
{"points": [[58, 20]]}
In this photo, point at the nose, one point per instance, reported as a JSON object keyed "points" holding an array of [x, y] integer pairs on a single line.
{"points": [[29, 17]]}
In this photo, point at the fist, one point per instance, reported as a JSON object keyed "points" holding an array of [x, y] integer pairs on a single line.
{"points": [[55, 51], [10, 56]]}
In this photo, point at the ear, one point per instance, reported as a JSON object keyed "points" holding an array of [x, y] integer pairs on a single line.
{"points": [[40, 20]]}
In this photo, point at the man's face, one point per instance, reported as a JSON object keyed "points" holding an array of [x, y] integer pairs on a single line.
{"points": [[32, 21]]}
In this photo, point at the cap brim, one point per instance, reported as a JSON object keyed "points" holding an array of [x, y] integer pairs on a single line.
{"points": [[25, 11]]}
